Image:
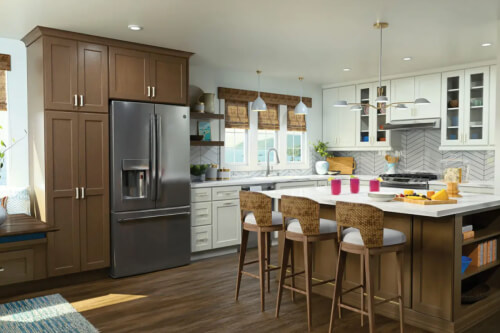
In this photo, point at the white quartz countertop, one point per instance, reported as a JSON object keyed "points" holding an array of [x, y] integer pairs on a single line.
{"points": [[474, 183], [271, 180], [468, 203]]}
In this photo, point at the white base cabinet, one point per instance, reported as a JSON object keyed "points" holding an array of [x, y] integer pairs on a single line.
{"points": [[201, 238], [226, 223]]}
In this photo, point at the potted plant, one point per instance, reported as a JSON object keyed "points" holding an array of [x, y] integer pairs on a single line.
{"points": [[322, 166], [198, 172]]}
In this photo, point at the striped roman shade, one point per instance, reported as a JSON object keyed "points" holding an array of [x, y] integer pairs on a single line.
{"points": [[237, 115], [3, 91], [269, 120], [295, 122]]}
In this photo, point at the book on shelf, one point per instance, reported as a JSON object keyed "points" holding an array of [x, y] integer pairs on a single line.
{"points": [[466, 228], [484, 253], [468, 234]]}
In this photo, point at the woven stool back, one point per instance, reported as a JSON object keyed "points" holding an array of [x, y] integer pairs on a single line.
{"points": [[368, 219], [304, 210], [259, 204]]}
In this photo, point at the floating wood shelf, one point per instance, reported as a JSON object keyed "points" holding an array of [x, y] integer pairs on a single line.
{"points": [[207, 143], [203, 115], [473, 270], [481, 235]]}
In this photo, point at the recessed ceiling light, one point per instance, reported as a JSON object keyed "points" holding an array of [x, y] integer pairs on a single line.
{"points": [[347, 69], [486, 44], [407, 58], [134, 27]]}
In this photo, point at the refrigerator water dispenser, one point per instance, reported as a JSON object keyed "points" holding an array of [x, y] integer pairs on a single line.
{"points": [[135, 176]]}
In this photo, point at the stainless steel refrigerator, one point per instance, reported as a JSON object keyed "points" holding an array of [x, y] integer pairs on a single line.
{"points": [[150, 187]]}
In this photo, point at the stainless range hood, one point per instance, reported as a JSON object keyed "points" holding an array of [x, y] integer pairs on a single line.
{"points": [[401, 125]]}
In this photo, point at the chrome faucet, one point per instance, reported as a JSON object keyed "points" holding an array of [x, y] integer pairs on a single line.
{"points": [[268, 171]]}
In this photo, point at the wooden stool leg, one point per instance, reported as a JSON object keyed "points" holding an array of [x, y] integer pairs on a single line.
{"points": [[268, 260], [370, 289], [337, 291], [362, 282], [400, 257], [308, 281], [284, 261], [243, 250], [292, 264], [262, 263]]}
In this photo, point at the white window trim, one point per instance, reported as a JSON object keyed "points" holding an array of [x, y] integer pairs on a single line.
{"points": [[252, 148]]}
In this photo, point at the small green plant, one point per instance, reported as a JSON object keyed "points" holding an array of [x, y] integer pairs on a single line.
{"points": [[321, 147], [198, 169]]}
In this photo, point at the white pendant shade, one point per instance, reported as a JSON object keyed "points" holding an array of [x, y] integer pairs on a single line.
{"points": [[259, 105], [341, 104], [382, 100], [301, 108], [356, 108], [422, 101], [401, 107]]}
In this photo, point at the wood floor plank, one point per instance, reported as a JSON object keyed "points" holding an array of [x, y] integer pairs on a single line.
{"points": [[200, 298]]}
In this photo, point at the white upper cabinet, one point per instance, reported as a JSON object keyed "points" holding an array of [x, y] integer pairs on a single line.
{"points": [[339, 123], [428, 86], [465, 115], [402, 90], [493, 104], [410, 88]]}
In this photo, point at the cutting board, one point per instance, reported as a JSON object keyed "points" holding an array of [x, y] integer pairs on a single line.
{"points": [[345, 165], [427, 202]]}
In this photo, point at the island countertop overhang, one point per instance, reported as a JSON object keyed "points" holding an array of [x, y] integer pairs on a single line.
{"points": [[468, 203]]}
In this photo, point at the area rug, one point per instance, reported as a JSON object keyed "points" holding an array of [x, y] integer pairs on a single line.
{"points": [[51, 314]]}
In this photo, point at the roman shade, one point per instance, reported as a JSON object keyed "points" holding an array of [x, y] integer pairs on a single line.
{"points": [[269, 120], [3, 91], [4, 62], [270, 98], [237, 114], [295, 122]]}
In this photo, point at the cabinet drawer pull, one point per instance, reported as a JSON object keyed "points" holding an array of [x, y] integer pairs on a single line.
{"points": [[149, 91], [76, 100], [202, 194], [77, 193], [81, 100], [154, 92], [228, 204], [2, 269], [83, 192]]}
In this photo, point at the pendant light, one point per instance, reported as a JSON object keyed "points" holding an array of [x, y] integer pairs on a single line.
{"points": [[258, 105], [301, 108], [381, 99]]}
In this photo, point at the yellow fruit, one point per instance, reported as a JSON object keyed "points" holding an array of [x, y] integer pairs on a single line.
{"points": [[408, 192], [441, 195], [415, 197]]}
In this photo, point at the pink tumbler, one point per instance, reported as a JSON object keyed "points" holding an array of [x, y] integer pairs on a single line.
{"points": [[374, 185], [336, 186], [354, 185]]}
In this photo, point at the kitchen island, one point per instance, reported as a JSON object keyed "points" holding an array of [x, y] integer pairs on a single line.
{"points": [[433, 281]]}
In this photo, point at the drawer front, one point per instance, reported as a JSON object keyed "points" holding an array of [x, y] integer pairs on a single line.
{"points": [[282, 186], [201, 194], [226, 192], [201, 238], [322, 183], [16, 266], [201, 214]]}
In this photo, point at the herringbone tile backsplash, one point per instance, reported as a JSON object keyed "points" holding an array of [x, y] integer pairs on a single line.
{"points": [[420, 152]]}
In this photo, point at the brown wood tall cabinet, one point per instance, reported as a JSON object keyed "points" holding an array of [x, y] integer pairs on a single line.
{"points": [[71, 78]]}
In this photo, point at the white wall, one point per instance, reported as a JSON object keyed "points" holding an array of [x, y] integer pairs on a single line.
{"points": [[17, 158], [209, 79], [497, 119]]}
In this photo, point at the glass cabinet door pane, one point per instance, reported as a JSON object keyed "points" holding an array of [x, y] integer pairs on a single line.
{"points": [[364, 116], [476, 114], [381, 116], [452, 112]]}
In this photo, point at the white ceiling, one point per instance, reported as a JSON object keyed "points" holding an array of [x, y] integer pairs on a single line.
{"points": [[284, 38]]}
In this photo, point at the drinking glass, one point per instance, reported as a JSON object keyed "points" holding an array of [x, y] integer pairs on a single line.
{"points": [[374, 185], [336, 186], [354, 185]]}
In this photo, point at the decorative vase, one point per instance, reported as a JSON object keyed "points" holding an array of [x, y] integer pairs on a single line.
{"points": [[208, 99], [322, 167], [3, 215]]}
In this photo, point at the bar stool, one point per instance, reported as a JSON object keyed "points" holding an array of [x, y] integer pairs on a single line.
{"points": [[257, 216], [307, 227], [367, 237]]}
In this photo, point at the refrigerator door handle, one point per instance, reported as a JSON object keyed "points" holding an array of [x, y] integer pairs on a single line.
{"points": [[159, 171], [152, 216], [153, 157]]}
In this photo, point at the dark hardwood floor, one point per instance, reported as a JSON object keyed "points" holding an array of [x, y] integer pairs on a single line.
{"points": [[200, 298]]}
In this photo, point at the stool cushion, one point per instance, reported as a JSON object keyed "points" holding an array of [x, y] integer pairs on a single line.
{"points": [[391, 237], [277, 218], [325, 226]]}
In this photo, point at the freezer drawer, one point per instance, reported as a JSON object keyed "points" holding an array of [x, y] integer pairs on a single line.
{"points": [[147, 241]]}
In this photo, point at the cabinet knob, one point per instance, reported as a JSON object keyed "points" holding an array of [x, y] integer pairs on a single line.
{"points": [[2, 269]]}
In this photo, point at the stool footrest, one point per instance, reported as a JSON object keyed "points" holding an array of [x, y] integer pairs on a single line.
{"points": [[353, 309], [250, 274], [251, 262], [389, 300], [322, 282], [294, 274], [352, 289], [300, 291]]}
